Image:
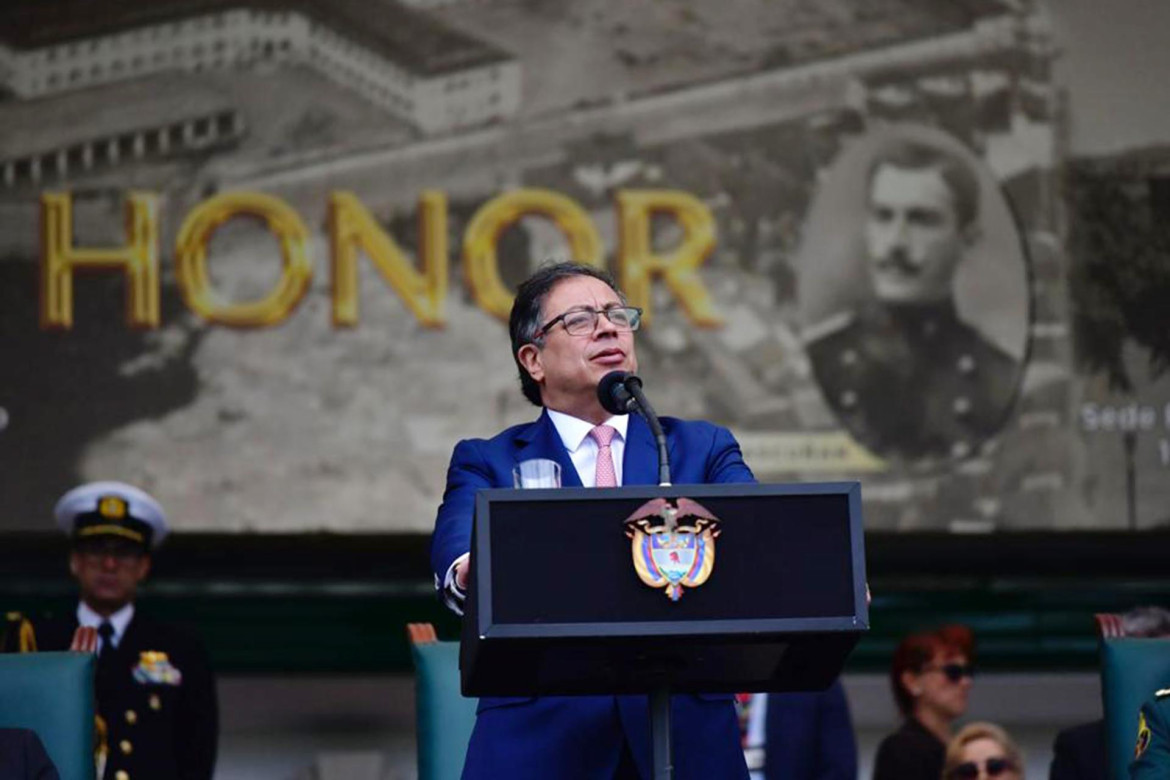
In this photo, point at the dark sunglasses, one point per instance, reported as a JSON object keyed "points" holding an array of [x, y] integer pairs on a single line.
{"points": [[953, 672], [970, 769]]}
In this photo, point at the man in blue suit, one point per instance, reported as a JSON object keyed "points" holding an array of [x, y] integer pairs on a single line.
{"points": [[570, 326], [809, 736]]}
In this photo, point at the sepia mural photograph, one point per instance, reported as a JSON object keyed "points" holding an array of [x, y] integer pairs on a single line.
{"points": [[257, 257]]}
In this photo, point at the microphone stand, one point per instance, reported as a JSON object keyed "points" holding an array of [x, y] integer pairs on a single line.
{"points": [[662, 760], [634, 385]]}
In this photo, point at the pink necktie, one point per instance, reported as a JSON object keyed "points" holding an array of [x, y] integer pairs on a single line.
{"points": [[605, 474]]}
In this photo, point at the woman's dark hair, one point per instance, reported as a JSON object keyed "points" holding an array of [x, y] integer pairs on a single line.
{"points": [[525, 319], [917, 650]]}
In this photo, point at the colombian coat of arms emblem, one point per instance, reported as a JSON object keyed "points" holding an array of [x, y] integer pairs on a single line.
{"points": [[673, 544]]}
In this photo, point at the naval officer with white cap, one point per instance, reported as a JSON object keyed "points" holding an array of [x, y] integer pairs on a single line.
{"points": [[154, 686]]}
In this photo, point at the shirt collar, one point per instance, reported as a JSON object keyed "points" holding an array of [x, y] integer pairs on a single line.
{"points": [[573, 430], [119, 620]]}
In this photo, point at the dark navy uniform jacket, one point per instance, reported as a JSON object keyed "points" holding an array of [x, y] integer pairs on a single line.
{"points": [[161, 715], [912, 382]]}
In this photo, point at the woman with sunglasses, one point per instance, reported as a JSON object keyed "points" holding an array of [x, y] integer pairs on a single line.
{"points": [[931, 679], [981, 751]]}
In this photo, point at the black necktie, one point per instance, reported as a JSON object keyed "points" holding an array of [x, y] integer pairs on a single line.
{"points": [[106, 632]]}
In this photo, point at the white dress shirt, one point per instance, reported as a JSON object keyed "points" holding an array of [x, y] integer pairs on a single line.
{"points": [[756, 738], [87, 618], [582, 448]]}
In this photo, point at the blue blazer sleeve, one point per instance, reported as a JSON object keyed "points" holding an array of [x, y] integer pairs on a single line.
{"points": [[725, 463], [468, 473]]}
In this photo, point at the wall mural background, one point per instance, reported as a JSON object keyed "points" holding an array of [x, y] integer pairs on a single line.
{"points": [[759, 118]]}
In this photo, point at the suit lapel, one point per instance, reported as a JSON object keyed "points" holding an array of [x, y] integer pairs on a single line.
{"points": [[541, 440], [640, 463]]}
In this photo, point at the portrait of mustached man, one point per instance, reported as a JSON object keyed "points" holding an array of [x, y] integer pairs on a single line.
{"points": [[904, 374]]}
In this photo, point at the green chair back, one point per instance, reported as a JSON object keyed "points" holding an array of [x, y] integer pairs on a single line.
{"points": [[52, 694], [444, 716], [1131, 670]]}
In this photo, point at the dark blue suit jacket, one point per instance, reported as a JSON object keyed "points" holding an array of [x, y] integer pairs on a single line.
{"points": [[584, 736], [23, 757], [809, 736]]}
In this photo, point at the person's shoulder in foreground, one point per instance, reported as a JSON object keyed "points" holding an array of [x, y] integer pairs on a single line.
{"points": [[23, 757]]}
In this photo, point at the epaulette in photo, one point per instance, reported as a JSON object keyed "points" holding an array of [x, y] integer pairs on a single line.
{"points": [[827, 327]]}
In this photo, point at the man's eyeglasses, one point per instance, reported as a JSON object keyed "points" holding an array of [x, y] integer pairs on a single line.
{"points": [[581, 322], [953, 672], [970, 770]]}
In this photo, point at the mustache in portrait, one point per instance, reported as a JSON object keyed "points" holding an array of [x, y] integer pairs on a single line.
{"points": [[898, 260]]}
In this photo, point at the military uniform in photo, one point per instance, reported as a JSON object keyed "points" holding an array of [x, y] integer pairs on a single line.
{"points": [[912, 382], [154, 688]]}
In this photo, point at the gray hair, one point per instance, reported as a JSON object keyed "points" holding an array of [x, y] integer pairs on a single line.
{"points": [[1146, 622]]}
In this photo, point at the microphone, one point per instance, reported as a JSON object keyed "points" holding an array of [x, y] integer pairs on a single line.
{"points": [[613, 395], [621, 393]]}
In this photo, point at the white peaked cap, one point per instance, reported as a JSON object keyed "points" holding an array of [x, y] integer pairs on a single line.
{"points": [[86, 499]]}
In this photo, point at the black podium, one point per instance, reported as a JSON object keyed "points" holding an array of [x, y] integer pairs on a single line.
{"points": [[556, 606]]}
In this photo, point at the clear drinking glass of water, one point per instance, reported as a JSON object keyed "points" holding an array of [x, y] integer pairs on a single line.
{"points": [[536, 473]]}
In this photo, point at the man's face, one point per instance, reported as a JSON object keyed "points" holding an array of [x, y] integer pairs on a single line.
{"points": [[108, 574], [567, 367], [912, 235]]}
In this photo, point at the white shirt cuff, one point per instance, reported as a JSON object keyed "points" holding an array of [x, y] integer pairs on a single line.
{"points": [[453, 596]]}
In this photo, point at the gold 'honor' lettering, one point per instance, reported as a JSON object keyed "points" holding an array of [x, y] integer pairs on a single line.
{"points": [[422, 285], [191, 259], [495, 216], [138, 260], [352, 227], [638, 262]]}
